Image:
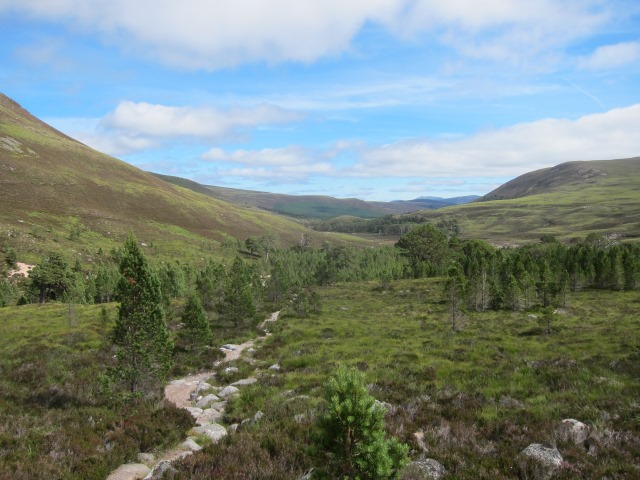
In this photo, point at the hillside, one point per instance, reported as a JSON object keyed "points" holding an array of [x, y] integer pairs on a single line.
{"points": [[51, 184], [567, 201], [314, 206], [568, 177]]}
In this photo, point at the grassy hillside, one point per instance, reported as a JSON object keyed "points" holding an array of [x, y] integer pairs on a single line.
{"points": [[569, 201], [51, 184], [309, 206]]}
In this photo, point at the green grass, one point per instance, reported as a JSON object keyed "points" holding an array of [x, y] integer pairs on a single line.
{"points": [[480, 395]]}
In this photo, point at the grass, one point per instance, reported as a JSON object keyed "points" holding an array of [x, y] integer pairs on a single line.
{"points": [[479, 396]]}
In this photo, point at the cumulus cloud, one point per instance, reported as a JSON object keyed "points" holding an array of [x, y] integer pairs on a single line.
{"points": [[152, 120], [292, 162], [508, 151], [612, 56], [211, 34]]}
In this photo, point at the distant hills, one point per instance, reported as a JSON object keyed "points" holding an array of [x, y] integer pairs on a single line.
{"points": [[315, 206], [51, 184], [569, 200]]}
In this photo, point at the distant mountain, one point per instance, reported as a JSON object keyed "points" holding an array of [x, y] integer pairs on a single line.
{"points": [[312, 206], [569, 200], [50, 182], [452, 200], [565, 177]]}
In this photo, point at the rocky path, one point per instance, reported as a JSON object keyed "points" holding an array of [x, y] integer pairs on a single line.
{"points": [[204, 402]]}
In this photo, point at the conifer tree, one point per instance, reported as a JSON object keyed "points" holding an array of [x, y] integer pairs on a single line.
{"points": [[237, 305], [351, 433], [196, 331], [454, 291], [144, 347]]}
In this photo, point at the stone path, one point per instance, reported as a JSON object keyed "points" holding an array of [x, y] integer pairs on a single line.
{"points": [[204, 402]]}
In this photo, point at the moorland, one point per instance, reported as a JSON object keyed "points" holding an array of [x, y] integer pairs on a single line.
{"points": [[480, 328]]}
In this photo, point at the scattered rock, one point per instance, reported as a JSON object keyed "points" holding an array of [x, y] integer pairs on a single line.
{"points": [[233, 427], [258, 416], [207, 400], [300, 418], [202, 386], [244, 381], [194, 411], [532, 316], [208, 416], [229, 346], [231, 370], [159, 470], [539, 462], [573, 430], [218, 406], [191, 444], [425, 468], [228, 392], [214, 431], [251, 350], [129, 471], [275, 367]]}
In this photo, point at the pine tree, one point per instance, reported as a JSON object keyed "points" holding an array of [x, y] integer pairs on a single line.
{"points": [[454, 291], [196, 332], [144, 347], [237, 305], [351, 434]]}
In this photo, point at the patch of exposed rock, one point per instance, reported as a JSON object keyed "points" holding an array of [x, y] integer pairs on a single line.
{"points": [[424, 469], [571, 430], [539, 462]]}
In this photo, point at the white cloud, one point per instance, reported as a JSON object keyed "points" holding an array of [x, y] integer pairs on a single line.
{"points": [[211, 34], [612, 56], [509, 151], [292, 162], [134, 127], [152, 120], [286, 156]]}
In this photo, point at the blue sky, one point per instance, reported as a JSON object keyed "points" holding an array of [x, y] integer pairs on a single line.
{"points": [[375, 99]]}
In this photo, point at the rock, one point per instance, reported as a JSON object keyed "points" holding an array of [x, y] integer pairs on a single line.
{"points": [[202, 386], [191, 444], [208, 416], [244, 381], [229, 346], [159, 470], [205, 401], [251, 350], [130, 471], [228, 392], [194, 411], [425, 468], [214, 431], [219, 405], [258, 416], [532, 316], [539, 462], [275, 367], [146, 458], [573, 430], [231, 370], [300, 418], [233, 427]]}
